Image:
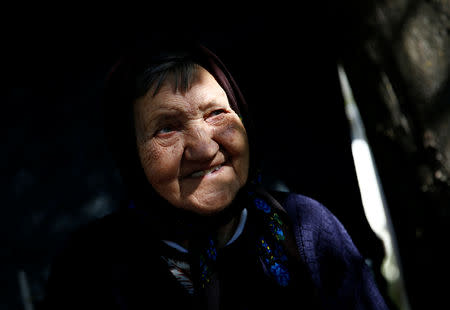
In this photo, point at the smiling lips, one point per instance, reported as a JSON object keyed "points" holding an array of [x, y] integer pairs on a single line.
{"points": [[202, 173]]}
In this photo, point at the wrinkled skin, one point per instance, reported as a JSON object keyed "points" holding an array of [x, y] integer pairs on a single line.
{"points": [[182, 136]]}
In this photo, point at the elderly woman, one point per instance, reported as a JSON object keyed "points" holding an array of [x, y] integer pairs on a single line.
{"points": [[198, 230]]}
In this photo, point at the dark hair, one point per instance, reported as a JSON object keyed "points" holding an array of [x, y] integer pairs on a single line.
{"points": [[180, 70], [133, 76]]}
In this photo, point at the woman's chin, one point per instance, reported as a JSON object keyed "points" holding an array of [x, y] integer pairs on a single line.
{"points": [[206, 209], [208, 204], [206, 200]]}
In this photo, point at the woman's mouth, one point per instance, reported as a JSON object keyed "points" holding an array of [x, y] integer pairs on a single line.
{"points": [[202, 173]]}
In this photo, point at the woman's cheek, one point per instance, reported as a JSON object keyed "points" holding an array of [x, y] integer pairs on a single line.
{"points": [[161, 163], [151, 156], [147, 157], [233, 136]]}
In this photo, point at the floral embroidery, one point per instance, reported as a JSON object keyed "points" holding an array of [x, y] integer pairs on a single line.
{"points": [[273, 255], [261, 205]]}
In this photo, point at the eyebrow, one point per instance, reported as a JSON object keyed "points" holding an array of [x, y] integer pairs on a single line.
{"points": [[163, 115], [165, 111], [212, 103]]}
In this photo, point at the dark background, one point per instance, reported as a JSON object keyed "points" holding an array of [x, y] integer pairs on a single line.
{"points": [[56, 173]]}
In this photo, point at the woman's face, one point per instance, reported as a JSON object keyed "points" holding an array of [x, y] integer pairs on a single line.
{"points": [[193, 147]]}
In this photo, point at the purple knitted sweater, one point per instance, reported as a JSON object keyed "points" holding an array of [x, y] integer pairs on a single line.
{"points": [[337, 267]]}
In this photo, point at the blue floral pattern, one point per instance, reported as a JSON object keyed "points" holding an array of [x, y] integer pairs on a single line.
{"points": [[273, 255]]}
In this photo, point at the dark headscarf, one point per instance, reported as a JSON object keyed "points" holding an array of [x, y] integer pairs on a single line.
{"points": [[123, 87]]}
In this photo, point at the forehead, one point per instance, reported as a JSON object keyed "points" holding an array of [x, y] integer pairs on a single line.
{"points": [[204, 91]]}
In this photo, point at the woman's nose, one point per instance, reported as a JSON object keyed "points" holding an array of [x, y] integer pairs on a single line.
{"points": [[200, 145]]}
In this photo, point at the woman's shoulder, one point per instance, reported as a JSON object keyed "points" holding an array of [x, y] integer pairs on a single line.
{"points": [[100, 239], [335, 263], [98, 229], [314, 223], [90, 263], [303, 208]]}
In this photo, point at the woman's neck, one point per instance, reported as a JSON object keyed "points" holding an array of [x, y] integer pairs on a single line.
{"points": [[223, 233]]}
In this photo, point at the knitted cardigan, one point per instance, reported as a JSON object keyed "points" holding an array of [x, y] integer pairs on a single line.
{"points": [[337, 268]]}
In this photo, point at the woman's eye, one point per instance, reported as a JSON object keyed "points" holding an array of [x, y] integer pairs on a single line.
{"points": [[217, 112], [164, 130]]}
